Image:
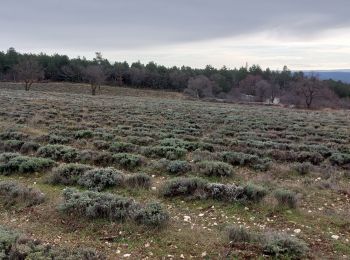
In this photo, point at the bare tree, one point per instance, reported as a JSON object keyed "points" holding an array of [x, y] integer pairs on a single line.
{"points": [[29, 71], [199, 87], [95, 75], [309, 89], [274, 91], [262, 89], [267, 91], [248, 85]]}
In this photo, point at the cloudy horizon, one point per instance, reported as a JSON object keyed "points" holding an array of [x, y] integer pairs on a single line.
{"points": [[302, 34]]}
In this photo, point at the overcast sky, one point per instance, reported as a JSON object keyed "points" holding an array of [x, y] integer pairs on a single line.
{"points": [[303, 34]]}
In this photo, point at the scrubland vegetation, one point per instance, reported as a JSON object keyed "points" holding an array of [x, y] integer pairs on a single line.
{"points": [[156, 176]]}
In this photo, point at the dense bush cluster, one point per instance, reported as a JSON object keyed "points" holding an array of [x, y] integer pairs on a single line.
{"points": [[84, 134], [138, 180], [189, 146], [16, 246], [214, 168], [28, 147], [341, 159], [243, 159], [281, 245], [184, 187], [96, 205], [59, 153], [199, 188], [68, 174], [121, 147], [11, 145], [103, 158], [151, 214], [69, 154], [277, 245], [176, 167], [99, 179], [11, 163], [96, 178], [13, 135], [238, 158], [127, 160], [168, 152], [112, 207]]}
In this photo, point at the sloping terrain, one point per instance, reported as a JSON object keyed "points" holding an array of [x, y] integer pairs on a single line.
{"points": [[152, 176]]}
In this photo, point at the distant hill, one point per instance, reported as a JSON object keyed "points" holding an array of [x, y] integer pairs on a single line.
{"points": [[342, 75]]}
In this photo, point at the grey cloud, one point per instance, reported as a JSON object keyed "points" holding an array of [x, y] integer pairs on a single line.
{"points": [[116, 24]]}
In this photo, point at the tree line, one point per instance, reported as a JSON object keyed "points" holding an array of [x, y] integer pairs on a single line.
{"points": [[245, 84]]}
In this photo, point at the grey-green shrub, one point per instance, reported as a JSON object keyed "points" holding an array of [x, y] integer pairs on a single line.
{"points": [[223, 192], [58, 139], [277, 245], [59, 152], [13, 193], [231, 192], [175, 167], [29, 147], [199, 188], [67, 174], [13, 135], [254, 193], [94, 205], [169, 152], [238, 158], [175, 142], [286, 198], [152, 215], [103, 159], [5, 157], [7, 240], [23, 164], [240, 234], [284, 246], [138, 180], [101, 145], [15, 246], [215, 168], [340, 159], [127, 160], [302, 168], [199, 155], [178, 167], [312, 157], [121, 147], [101, 178], [11, 145], [183, 187], [140, 140], [263, 164], [83, 134], [244, 159]]}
